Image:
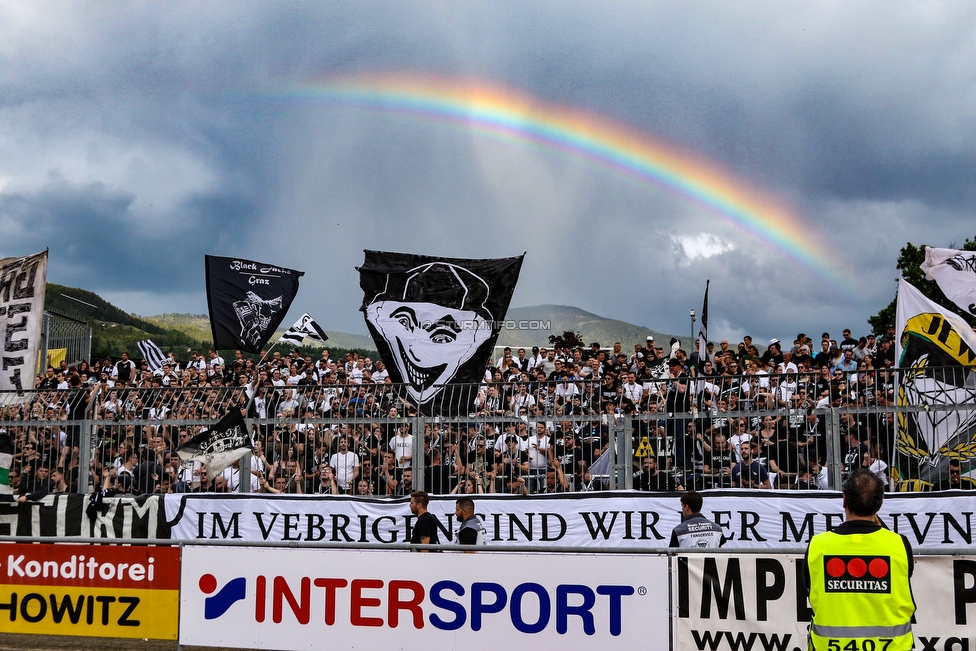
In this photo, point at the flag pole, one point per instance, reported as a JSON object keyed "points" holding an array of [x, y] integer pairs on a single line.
{"points": [[703, 331], [268, 352]]}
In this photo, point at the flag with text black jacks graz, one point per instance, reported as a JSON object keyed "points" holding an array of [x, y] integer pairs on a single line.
{"points": [[247, 301], [435, 322]]}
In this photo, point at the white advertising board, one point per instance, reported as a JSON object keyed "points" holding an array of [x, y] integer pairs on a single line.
{"points": [[759, 603], [751, 519], [308, 599]]}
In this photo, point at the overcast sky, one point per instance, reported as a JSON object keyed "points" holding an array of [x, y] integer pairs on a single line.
{"points": [[137, 137]]}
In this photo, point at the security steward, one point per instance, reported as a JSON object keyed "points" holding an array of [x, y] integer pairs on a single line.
{"points": [[695, 530], [858, 577]]}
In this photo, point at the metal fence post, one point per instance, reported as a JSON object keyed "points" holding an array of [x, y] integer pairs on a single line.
{"points": [[244, 473], [85, 438], [42, 351], [834, 457], [625, 454], [419, 461]]}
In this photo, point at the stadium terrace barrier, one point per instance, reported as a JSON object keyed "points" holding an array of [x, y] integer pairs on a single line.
{"points": [[809, 430]]}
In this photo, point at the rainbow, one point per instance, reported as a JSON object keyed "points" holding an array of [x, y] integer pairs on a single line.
{"points": [[511, 116]]}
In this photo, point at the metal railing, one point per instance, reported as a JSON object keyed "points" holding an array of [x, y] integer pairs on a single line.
{"points": [[806, 430]]}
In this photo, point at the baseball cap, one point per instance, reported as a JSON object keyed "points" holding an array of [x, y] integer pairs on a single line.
{"points": [[773, 341], [650, 338]]}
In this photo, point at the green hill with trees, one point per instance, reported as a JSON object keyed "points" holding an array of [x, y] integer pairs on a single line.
{"points": [[114, 330]]}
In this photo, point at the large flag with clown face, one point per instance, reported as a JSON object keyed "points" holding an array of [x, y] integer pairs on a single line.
{"points": [[435, 322]]}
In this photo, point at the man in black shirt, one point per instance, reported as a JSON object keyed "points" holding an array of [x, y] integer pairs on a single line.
{"points": [[438, 478], [848, 343], [472, 531], [650, 479], [569, 456], [853, 449], [425, 528], [955, 480], [719, 462], [124, 370], [773, 354]]}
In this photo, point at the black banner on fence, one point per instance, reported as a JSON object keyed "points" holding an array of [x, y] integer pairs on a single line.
{"points": [[69, 514]]}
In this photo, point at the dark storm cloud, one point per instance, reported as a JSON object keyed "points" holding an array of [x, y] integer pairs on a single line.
{"points": [[96, 239], [170, 133]]}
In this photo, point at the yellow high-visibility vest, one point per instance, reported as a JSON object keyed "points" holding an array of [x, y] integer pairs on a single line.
{"points": [[860, 593]]}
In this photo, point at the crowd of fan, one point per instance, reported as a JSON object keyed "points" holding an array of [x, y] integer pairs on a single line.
{"points": [[538, 422]]}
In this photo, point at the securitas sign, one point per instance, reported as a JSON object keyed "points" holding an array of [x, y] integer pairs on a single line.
{"points": [[857, 574], [293, 599]]}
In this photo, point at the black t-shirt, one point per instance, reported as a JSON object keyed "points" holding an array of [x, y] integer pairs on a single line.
{"points": [[425, 527], [569, 459], [473, 460], [802, 357], [678, 401], [717, 460], [854, 455], [512, 466], [468, 535], [123, 370], [438, 480], [77, 403], [660, 481], [787, 456]]}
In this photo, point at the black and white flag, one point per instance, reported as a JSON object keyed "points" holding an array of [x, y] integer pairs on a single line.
{"points": [[304, 327], [247, 301], [435, 321], [703, 332], [152, 354], [221, 445], [955, 273], [22, 285]]}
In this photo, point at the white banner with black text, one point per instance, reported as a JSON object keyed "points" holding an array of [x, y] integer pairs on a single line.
{"points": [[617, 519]]}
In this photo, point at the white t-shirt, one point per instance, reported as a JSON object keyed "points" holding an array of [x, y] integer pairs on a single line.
{"points": [[737, 441], [538, 448], [232, 476], [344, 464], [402, 446]]}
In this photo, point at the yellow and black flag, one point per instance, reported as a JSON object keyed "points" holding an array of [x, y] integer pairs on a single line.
{"points": [[936, 351]]}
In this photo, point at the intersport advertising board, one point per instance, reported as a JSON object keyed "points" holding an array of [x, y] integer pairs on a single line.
{"points": [[306, 599]]}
